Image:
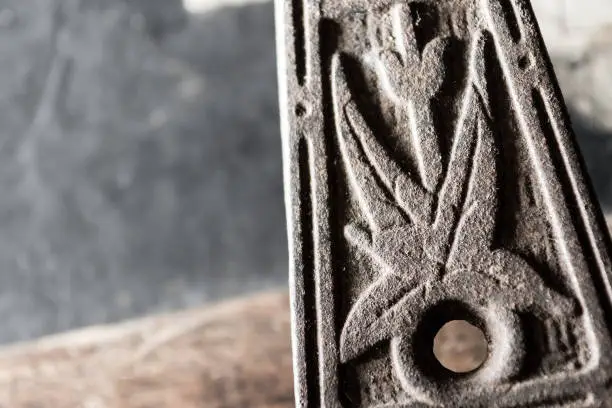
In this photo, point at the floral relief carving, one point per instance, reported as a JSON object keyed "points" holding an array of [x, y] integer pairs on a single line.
{"points": [[432, 176], [431, 234]]}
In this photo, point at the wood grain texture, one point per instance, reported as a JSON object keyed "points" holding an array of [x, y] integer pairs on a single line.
{"points": [[236, 354]]}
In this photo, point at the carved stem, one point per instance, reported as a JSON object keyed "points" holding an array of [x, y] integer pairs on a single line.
{"points": [[425, 142]]}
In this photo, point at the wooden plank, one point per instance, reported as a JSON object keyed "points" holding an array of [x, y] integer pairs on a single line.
{"points": [[236, 354]]}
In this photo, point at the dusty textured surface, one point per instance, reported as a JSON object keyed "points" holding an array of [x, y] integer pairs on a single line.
{"points": [[432, 176], [235, 354], [167, 193]]}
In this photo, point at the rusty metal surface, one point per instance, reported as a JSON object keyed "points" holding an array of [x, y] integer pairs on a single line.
{"points": [[432, 176]]}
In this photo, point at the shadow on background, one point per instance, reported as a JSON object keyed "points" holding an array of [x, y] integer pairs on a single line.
{"points": [[140, 166], [596, 147]]}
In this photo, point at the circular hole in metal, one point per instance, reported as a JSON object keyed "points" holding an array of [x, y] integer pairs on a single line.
{"points": [[524, 62], [301, 110], [460, 346]]}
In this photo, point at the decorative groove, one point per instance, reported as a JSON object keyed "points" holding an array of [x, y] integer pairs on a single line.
{"points": [[512, 23], [327, 259], [310, 321], [601, 279], [552, 136], [299, 40]]}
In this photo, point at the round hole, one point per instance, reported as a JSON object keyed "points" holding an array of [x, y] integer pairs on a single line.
{"points": [[300, 110], [460, 346], [524, 62]]}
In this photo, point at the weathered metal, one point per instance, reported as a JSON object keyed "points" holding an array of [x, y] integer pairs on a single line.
{"points": [[432, 176]]}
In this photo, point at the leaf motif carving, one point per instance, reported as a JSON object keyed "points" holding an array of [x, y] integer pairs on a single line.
{"points": [[474, 233], [375, 176], [411, 79], [369, 321], [426, 243]]}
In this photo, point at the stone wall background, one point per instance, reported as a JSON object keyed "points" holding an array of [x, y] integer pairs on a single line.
{"points": [[140, 160]]}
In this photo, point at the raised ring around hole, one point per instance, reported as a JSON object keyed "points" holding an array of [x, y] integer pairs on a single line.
{"points": [[460, 347], [420, 372]]}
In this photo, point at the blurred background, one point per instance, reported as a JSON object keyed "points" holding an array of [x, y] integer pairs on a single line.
{"points": [[140, 155]]}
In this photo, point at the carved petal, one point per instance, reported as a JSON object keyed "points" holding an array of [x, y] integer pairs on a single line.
{"points": [[374, 200], [453, 188], [506, 276], [452, 192], [390, 71], [403, 32], [468, 198], [411, 196], [475, 231], [371, 319], [432, 66], [375, 177], [524, 287]]}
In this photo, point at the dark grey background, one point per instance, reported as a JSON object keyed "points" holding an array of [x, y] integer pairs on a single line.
{"points": [[140, 159]]}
